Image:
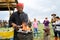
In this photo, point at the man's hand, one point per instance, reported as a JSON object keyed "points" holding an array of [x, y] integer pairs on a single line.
{"points": [[14, 25]]}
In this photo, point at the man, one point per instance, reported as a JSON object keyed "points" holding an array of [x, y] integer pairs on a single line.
{"points": [[17, 18]]}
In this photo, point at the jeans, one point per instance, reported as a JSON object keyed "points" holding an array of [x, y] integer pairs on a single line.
{"points": [[35, 31], [57, 33]]}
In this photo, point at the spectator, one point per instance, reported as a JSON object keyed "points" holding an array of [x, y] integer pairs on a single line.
{"points": [[35, 26], [53, 20], [46, 29], [57, 28], [46, 23]]}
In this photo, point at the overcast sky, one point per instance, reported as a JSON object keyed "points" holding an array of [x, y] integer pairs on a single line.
{"points": [[38, 9]]}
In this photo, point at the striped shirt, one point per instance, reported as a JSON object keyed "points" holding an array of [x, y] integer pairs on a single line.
{"points": [[57, 25]]}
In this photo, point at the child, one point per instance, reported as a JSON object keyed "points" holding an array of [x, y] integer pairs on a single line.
{"points": [[35, 26]]}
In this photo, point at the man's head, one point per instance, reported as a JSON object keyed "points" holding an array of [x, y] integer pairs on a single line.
{"points": [[57, 18], [20, 7]]}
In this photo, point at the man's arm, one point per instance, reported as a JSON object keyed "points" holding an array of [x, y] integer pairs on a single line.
{"points": [[11, 21]]}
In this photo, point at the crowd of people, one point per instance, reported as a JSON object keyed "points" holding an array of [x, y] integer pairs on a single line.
{"points": [[4, 23], [55, 22]]}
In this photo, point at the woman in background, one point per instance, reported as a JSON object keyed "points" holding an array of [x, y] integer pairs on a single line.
{"points": [[46, 29], [35, 26], [57, 28], [46, 23]]}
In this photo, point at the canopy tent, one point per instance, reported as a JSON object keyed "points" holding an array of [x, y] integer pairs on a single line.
{"points": [[8, 5]]}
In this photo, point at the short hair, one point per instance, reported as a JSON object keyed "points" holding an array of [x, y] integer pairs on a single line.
{"points": [[57, 17], [46, 18]]}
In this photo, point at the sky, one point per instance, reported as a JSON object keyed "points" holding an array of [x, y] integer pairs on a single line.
{"points": [[38, 9]]}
